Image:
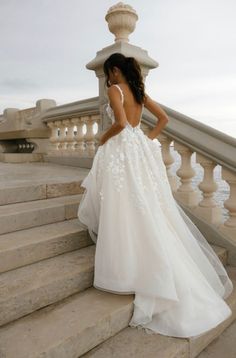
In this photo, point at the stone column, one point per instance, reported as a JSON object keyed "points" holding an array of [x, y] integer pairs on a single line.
{"points": [[208, 209], [168, 160], [186, 192], [229, 226], [121, 20]]}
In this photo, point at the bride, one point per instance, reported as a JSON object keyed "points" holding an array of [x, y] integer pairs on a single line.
{"points": [[145, 243]]}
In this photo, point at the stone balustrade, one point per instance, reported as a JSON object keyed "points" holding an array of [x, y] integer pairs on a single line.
{"points": [[75, 129], [14, 121], [69, 139], [211, 148], [23, 135]]}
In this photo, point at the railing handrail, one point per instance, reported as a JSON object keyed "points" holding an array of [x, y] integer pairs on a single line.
{"points": [[88, 106], [208, 129]]}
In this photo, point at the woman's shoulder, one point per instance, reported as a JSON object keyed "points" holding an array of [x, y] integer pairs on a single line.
{"points": [[113, 90]]}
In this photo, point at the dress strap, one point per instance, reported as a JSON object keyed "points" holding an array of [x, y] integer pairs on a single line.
{"points": [[121, 92]]}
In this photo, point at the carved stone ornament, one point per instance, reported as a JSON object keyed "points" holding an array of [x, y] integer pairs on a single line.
{"points": [[121, 20]]}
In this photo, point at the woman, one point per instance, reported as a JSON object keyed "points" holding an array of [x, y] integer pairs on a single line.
{"points": [[145, 243]]}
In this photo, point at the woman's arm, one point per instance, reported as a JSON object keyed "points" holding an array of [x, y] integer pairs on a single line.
{"points": [[119, 114], [161, 115]]}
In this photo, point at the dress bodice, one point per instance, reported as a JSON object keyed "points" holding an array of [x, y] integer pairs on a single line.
{"points": [[110, 111]]}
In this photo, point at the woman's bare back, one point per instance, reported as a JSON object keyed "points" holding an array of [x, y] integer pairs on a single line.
{"points": [[133, 110]]}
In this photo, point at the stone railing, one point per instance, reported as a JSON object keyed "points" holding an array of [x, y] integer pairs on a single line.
{"points": [[211, 148], [75, 128], [22, 131]]}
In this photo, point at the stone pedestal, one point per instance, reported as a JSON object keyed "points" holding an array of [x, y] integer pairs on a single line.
{"points": [[121, 20]]}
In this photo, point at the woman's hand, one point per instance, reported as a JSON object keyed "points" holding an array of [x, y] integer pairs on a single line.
{"points": [[101, 141], [100, 144]]}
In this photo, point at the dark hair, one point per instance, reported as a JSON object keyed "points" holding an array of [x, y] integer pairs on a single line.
{"points": [[130, 69]]}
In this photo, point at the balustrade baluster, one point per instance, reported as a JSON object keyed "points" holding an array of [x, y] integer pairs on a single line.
{"points": [[229, 225], [79, 137], [208, 209], [54, 137], [186, 192], [168, 160], [70, 137], [89, 136]]}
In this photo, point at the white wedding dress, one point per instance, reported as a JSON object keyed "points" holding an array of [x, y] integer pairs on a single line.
{"points": [[146, 244]]}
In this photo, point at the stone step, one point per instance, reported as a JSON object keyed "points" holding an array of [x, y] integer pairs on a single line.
{"points": [[137, 343], [69, 328], [222, 346], [18, 193], [94, 323], [21, 157], [27, 246], [21, 216], [32, 287], [196, 345]]}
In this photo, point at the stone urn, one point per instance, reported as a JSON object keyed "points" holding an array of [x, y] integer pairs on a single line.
{"points": [[121, 20]]}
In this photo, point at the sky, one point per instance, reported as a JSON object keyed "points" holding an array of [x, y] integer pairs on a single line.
{"points": [[46, 44]]}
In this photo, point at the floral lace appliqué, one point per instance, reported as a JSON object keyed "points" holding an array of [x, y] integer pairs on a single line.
{"points": [[138, 202], [101, 195], [117, 167]]}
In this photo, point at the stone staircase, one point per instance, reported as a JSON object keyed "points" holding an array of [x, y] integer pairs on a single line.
{"points": [[48, 305]]}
